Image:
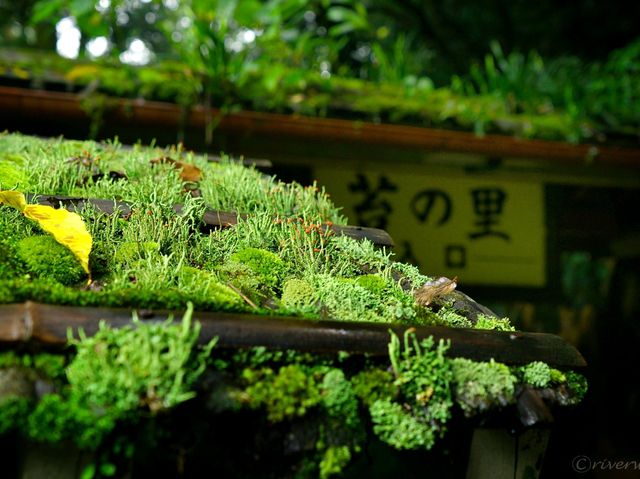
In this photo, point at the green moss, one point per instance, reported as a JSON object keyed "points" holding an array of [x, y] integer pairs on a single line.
{"points": [[447, 316], [162, 365], [339, 399], [298, 294], [12, 175], [115, 375], [333, 461], [399, 428], [343, 299], [10, 264], [267, 265], [205, 288], [59, 417], [423, 376], [14, 411], [577, 384], [44, 257], [557, 376], [537, 374], [496, 324], [372, 282], [374, 384], [131, 251], [50, 365], [286, 394], [480, 386]]}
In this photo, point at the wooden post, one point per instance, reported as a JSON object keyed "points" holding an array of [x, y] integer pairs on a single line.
{"points": [[498, 454], [54, 461]]}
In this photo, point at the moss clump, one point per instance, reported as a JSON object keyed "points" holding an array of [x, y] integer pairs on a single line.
{"points": [[372, 282], [334, 459], [537, 374], [343, 299], [447, 316], [12, 174], [285, 394], [423, 377], [496, 324], [339, 399], [10, 264], [44, 257], [131, 251], [268, 266], [160, 359], [479, 386], [14, 411], [373, 385], [577, 384], [206, 288], [298, 294], [400, 428]]}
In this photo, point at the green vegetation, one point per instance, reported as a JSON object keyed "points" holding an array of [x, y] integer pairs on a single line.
{"points": [[45, 258], [497, 324], [482, 386], [281, 257], [114, 376], [137, 376]]}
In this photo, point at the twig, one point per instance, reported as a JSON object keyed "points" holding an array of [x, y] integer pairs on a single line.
{"points": [[243, 296]]}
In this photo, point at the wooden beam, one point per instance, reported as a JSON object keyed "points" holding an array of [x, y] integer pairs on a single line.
{"points": [[48, 324], [38, 104]]}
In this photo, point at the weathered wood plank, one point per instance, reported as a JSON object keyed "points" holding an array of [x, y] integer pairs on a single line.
{"points": [[212, 218], [48, 324]]}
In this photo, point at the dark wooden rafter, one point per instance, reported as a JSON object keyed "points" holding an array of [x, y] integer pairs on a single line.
{"points": [[28, 104], [49, 325], [212, 219]]}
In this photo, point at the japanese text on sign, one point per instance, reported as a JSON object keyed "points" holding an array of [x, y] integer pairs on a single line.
{"points": [[483, 231]]}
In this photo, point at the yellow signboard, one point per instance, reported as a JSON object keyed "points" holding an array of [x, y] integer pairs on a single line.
{"points": [[484, 231]]}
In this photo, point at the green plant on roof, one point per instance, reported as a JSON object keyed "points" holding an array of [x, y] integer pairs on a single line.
{"points": [[496, 324], [423, 376], [117, 375], [45, 258], [480, 386], [287, 393], [268, 267]]}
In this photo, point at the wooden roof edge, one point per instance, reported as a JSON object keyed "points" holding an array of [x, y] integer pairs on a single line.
{"points": [[49, 324], [38, 103]]}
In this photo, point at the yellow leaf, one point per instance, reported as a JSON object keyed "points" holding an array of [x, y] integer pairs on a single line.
{"points": [[67, 228], [13, 198]]}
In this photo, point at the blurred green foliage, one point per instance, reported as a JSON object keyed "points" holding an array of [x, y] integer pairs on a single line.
{"points": [[430, 63]]}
